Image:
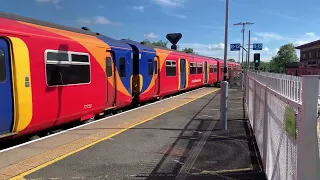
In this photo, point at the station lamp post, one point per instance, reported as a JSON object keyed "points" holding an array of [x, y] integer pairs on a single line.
{"points": [[224, 83], [243, 29]]}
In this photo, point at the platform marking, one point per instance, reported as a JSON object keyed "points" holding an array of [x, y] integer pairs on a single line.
{"points": [[105, 138], [194, 153], [83, 125], [224, 171]]}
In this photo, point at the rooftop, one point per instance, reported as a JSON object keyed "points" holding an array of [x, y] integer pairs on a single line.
{"points": [[310, 44]]}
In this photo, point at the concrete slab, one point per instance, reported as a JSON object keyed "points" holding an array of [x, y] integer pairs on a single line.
{"points": [[46, 151], [181, 144], [55, 141], [16, 155]]}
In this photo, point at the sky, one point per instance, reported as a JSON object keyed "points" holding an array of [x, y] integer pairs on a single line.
{"points": [[201, 22]]}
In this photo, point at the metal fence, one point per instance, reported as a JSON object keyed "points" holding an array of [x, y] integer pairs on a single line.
{"points": [[235, 79], [283, 114]]}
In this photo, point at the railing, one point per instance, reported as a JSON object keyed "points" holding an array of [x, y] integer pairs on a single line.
{"points": [[282, 110]]}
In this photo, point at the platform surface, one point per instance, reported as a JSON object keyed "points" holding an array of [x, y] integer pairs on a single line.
{"points": [[179, 138]]}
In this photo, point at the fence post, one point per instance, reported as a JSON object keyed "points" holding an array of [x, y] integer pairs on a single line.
{"points": [[307, 138], [265, 127], [243, 80], [254, 94]]}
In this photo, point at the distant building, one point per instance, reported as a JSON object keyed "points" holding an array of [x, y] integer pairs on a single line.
{"points": [[309, 60], [292, 68]]}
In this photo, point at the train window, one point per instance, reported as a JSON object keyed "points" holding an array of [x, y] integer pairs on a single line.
{"points": [[79, 58], [171, 68], [183, 67], [122, 63], [193, 68], [150, 67], [199, 68], [211, 68], [156, 60], [61, 71], [214, 68], [109, 67], [57, 56], [77, 74], [155, 67], [2, 66]]}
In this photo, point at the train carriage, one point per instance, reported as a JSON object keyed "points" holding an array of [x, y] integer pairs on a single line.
{"points": [[51, 75], [55, 75]]}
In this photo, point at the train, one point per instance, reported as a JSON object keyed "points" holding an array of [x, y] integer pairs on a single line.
{"points": [[51, 75]]}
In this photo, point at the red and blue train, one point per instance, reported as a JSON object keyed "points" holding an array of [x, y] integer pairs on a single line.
{"points": [[51, 75]]}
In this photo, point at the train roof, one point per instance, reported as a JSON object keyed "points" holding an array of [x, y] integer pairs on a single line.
{"points": [[113, 42], [140, 46], [108, 40], [44, 23]]}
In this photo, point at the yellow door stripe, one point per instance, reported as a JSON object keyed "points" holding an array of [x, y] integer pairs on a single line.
{"points": [[21, 87]]}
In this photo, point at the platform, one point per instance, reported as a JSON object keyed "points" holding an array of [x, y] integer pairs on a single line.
{"points": [[177, 138]]}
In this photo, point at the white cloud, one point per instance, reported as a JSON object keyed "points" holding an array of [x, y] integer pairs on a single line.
{"points": [[138, 8], [296, 40], [96, 20], [266, 49], [306, 38], [181, 16], [298, 43], [271, 36], [170, 3], [219, 46], [151, 35], [312, 34], [277, 49]]}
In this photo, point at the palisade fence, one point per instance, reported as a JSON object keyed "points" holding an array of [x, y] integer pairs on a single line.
{"points": [[282, 110]]}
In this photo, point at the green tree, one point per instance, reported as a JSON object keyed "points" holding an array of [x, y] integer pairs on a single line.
{"points": [[188, 50], [285, 55], [232, 60], [158, 43]]}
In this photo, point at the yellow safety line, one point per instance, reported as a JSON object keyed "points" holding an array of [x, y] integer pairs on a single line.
{"points": [[105, 138]]}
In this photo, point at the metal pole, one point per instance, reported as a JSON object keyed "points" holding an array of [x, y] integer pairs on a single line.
{"points": [[239, 58], [224, 83], [242, 39], [226, 42], [249, 52]]}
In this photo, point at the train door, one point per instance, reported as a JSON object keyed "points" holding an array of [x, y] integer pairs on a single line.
{"points": [[205, 72], [157, 76], [6, 97], [111, 80], [183, 73]]}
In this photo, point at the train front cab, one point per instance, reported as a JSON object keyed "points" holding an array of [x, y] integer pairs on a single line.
{"points": [[6, 90], [145, 79], [119, 73]]}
